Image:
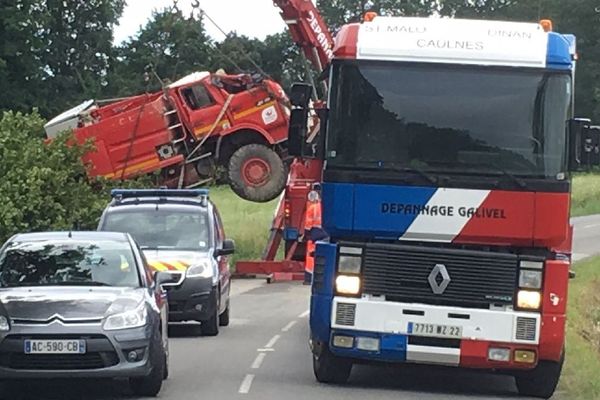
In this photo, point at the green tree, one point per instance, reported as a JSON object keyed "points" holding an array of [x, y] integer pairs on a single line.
{"points": [[174, 44], [54, 53], [340, 12], [45, 186]]}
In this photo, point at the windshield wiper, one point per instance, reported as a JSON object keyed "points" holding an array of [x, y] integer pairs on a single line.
{"points": [[504, 172], [78, 283], [157, 247]]}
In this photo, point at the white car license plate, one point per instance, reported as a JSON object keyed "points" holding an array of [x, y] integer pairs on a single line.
{"points": [[54, 346], [434, 330]]}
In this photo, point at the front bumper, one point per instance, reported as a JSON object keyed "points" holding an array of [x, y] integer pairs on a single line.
{"points": [[195, 299], [390, 322], [105, 357]]}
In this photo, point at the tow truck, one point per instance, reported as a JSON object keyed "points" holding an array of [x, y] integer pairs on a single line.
{"points": [[446, 196], [188, 131], [443, 155]]}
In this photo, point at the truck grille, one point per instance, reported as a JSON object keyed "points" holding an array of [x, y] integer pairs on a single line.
{"points": [[345, 314], [403, 273], [526, 329]]}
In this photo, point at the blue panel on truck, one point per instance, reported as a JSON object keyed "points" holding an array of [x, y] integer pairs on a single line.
{"points": [[559, 51], [322, 291], [377, 208], [338, 204]]}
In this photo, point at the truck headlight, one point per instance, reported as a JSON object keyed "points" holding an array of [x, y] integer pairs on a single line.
{"points": [[345, 284], [201, 269], [528, 299], [349, 264], [129, 319], [530, 279], [350, 260]]}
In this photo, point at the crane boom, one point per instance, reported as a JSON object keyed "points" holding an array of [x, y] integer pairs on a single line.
{"points": [[308, 30]]}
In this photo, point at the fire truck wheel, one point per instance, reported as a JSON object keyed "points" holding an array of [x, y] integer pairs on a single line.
{"points": [[331, 369], [210, 327], [541, 381], [257, 173]]}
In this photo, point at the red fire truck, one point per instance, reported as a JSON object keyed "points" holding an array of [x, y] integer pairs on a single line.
{"points": [[188, 131]]}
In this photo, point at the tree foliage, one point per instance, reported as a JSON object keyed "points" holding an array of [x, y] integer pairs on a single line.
{"points": [[54, 52], [45, 186], [174, 44]]}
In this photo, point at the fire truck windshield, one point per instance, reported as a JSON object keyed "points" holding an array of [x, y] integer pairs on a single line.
{"points": [[448, 118]]}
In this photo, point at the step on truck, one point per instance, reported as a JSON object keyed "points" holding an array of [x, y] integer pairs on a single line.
{"points": [[189, 133], [445, 192]]}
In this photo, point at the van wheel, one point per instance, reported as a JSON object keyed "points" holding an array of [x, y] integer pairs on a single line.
{"points": [[541, 381], [329, 368], [256, 173], [224, 318], [210, 327]]}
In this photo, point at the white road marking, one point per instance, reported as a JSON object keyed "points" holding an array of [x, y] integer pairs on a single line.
{"points": [[258, 360], [288, 326], [272, 342], [590, 226], [246, 384], [264, 350], [304, 314]]}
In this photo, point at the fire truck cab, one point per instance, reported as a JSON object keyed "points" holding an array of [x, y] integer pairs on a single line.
{"points": [[188, 131]]}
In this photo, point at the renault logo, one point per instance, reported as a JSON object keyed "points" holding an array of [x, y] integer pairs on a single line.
{"points": [[439, 271]]}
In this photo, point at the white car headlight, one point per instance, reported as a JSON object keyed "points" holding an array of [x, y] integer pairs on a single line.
{"points": [[200, 269], [4, 324], [129, 319]]}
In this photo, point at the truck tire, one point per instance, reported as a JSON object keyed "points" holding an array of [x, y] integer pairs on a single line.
{"points": [[331, 369], [256, 173], [541, 381]]}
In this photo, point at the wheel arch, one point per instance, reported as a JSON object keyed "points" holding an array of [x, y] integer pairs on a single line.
{"points": [[242, 136]]}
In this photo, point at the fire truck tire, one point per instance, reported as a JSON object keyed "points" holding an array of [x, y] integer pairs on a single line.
{"points": [[329, 368], [257, 173], [541, 381]]}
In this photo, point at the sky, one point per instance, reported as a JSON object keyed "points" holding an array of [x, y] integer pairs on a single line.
{"points": [[254, 18]]}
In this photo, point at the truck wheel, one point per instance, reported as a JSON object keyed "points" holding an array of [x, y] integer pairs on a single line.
{"points": [[256, 173], [540, 381], [331, 369]]}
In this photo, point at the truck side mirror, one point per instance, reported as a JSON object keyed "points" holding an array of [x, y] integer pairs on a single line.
{"points": [[300, 98], [584, 144], [591, 147], [576, 128]]}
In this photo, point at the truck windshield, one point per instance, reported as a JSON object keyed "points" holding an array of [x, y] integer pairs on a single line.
{"points": [[451, 119], [162, 228]]}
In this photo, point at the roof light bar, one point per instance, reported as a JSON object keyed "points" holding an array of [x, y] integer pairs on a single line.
{"points": [[137, 193]]}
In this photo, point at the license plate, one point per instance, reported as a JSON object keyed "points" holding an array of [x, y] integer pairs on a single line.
{"points": [[434, 330], [54, 346]]}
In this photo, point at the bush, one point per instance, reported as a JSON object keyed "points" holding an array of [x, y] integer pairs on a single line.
{"points": [[44, 186]]}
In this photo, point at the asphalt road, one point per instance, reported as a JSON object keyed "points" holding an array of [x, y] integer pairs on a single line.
{"points": [[264, 355]]}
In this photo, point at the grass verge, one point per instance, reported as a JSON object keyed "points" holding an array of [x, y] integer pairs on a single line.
{"points": [[580, 374], [245, 222], [586, 195]]}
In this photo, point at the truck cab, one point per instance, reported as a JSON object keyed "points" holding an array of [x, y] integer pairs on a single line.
{"points": [[446, 196]]}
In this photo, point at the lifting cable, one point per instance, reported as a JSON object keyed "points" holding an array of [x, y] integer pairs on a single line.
{"points": [[203, 13]]}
